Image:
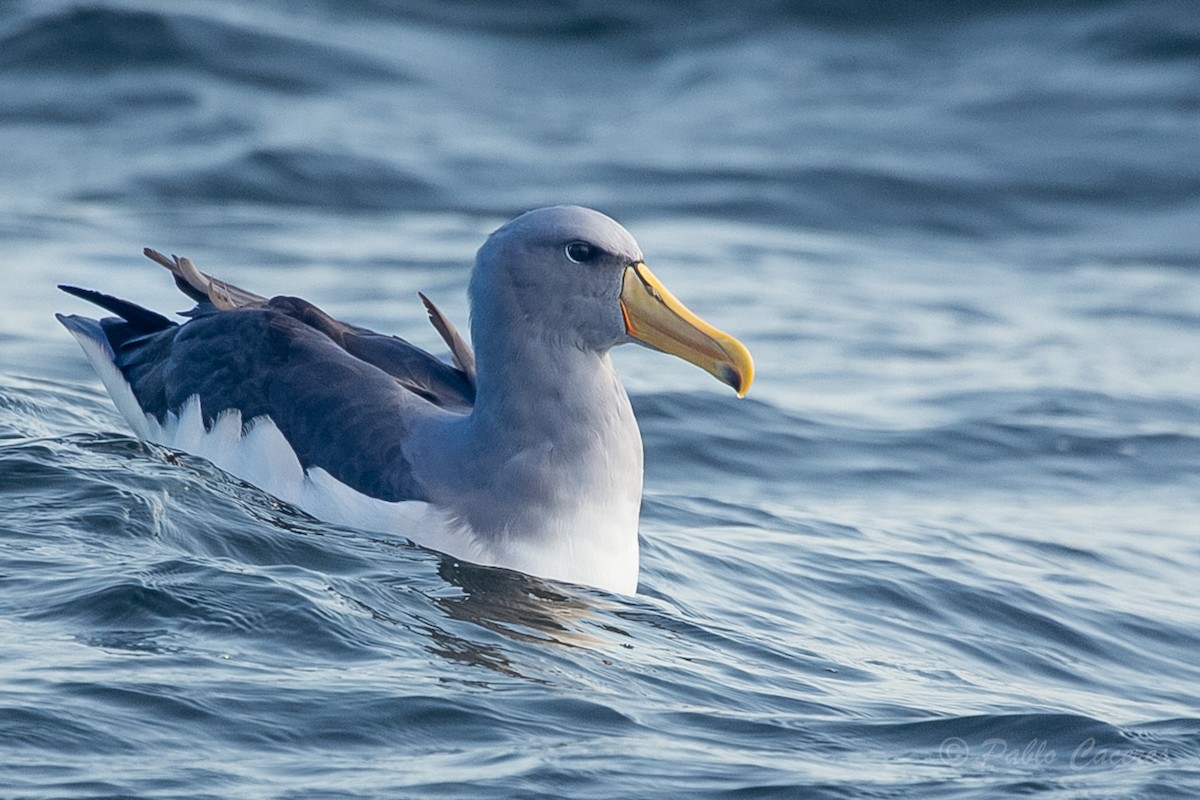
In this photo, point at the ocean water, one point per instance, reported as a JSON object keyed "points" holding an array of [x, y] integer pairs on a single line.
{"points": [[947, 547]]}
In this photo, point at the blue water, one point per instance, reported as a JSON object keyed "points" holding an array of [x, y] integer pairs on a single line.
{"points": [[946, 548]]}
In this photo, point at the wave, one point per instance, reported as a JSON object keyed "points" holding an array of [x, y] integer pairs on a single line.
{"points": [[297, 177], [996, 440], [91, 40], [551, 19], [184, 609]]}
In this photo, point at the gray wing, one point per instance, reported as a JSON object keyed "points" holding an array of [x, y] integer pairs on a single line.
{"points": [[343, 397], [413, 367]]}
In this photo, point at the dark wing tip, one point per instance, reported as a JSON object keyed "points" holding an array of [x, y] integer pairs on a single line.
{"points": [[141, 318], [77, 291]]}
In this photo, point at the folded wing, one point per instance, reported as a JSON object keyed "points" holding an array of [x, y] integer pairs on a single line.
{"points": [[344, 397]]}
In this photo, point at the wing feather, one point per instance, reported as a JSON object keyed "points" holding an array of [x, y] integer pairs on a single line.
{"points": [[344, 397]]}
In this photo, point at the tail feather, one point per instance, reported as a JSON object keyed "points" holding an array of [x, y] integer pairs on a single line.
{"points": [[86, 329], [142, 319], [99, 351]]}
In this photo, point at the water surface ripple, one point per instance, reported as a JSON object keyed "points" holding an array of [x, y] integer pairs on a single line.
{"points": [[946, 548]]}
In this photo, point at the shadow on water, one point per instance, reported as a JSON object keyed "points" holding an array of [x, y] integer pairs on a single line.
{"points": [[520, 608]]}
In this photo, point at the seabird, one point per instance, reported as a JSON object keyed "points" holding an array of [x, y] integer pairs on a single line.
{"points": [[523, 454]]}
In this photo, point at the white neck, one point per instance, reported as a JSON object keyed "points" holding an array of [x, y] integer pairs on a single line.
{"points": [[549, 464]]}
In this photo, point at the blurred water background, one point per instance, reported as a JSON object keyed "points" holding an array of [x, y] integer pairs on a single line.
{"points": [[947, 548]]}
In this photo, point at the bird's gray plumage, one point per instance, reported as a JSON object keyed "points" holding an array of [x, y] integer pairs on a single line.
{"points": [[332, 389], [527, 445]]}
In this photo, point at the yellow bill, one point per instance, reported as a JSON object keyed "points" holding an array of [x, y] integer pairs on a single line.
{"points": [[655, 318]]}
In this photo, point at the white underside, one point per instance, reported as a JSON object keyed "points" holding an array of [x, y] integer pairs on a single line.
{"points": [[259, 454]]}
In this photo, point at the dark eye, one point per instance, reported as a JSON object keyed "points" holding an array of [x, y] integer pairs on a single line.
{"points": [[582, 252]]}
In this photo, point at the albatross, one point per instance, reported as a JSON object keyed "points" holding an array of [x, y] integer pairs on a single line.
{"points": [[523, 453]]}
